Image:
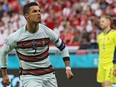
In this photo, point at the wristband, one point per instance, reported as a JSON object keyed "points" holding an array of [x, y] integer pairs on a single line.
{"points": [[66, 58], [3, 67], [68, 68]]}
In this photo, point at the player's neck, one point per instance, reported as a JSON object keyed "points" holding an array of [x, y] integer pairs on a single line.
{"points": [[107, 30], [32, 27]]}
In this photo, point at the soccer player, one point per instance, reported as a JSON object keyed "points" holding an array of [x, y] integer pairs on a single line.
{"points": [[31, 43], [107, 47]]}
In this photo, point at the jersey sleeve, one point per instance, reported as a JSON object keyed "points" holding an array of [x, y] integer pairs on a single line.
{"points": [[58, 42], [8, 46]]}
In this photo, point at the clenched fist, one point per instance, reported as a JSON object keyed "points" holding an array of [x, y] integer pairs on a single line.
{"points": [[6, 80]]}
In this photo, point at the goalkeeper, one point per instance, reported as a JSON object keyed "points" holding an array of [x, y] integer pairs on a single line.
{"points": [[107, 47]]}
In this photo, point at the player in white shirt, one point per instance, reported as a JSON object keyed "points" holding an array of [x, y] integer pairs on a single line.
{"points": [[31, 43]]}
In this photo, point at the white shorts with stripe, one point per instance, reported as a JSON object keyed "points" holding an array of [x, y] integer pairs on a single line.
{"points": [[47, 80]]}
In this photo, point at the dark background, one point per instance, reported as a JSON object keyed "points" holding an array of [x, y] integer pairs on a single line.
{"points": [[82, 78]]}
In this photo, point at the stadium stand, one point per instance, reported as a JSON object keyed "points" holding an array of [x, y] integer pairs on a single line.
{"points": [[75, 21]]}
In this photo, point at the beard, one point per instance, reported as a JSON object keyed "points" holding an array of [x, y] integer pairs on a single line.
{"points": [[103, 28]]}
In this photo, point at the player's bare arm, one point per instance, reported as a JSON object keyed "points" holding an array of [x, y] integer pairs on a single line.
{"points": [[69, 73], [6, 80]]}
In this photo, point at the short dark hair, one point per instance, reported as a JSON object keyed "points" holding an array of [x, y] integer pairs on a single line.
{"points": [[27, 6]]}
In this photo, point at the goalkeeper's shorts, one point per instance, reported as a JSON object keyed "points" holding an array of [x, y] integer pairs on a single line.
{"points": [[105, 73]]}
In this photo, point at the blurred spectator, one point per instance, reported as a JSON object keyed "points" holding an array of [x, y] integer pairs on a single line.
{"points": [[67, 9], [94, 5], [93, 42], [1, 11], [103, 4], [58, 28], [2, 35], [69, 35], [5, 6], [85, 40]]}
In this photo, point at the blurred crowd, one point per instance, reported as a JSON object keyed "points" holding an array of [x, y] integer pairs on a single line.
{"points": [[76, 22]]}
